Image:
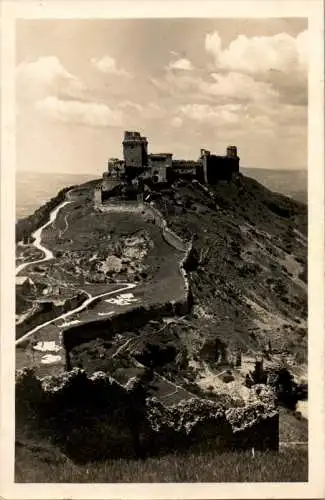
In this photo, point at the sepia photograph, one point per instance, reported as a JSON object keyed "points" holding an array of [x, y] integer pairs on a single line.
{"points": [[161, 247]]}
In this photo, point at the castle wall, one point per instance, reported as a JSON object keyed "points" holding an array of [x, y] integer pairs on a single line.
{"points": [[220, 168], [110, 183]]}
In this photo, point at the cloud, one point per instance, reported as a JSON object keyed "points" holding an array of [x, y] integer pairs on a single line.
{"points": [[176, 122], [107, 64], [47, 76], [216, 115], [247, 122], [84, 113], [237, 86], [208, 87], [149, 111], [131, 105], [182, 64], [260, 54]]}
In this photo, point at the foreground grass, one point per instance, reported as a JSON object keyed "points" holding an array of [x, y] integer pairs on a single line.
{"points": [[41, 465]]}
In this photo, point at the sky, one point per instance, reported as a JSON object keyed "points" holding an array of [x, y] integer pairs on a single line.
{"points": [[186, 84]]}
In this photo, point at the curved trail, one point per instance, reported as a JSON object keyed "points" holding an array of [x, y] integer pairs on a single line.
{"points": [[85, 304], [48, 255], [37, 235]]}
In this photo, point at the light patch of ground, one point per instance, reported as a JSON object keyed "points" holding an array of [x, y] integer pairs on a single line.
{"points": [[302, 239], [112, 264], [69, 323], [302, 407], [124, 299], [250, 229], [49, 359], [293, 269], [94, 257], [266, 320], [200, 312], [49, 346], [208, 380]]}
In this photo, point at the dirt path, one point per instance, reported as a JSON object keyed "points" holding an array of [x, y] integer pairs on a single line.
{"points": [[48, 255], [85, 304], [37, 235]]}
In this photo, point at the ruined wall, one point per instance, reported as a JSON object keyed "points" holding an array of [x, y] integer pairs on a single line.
{"points": [[110, 183], [123, 420]]}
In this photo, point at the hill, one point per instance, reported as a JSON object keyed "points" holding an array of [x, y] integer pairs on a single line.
{"points": [[244, 259]]}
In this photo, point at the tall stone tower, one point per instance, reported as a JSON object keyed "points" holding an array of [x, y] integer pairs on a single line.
{"points": [[135, 150]]}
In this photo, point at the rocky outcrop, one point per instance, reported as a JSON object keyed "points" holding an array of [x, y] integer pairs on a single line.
{"points": [[122, 419]]}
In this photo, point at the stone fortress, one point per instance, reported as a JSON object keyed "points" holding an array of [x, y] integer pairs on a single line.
{"points": [[140, 171]]}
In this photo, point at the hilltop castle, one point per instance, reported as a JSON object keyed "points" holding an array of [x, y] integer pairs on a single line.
{"points": [[140, 168]]}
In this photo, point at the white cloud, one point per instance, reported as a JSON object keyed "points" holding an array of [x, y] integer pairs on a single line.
{"points": [[176, 122], [46, 76], [238, 86], [107, 64], [149, 111], [84, 113], [183, 64], [224, 86], [216, 115], [131, 105], [260, 54]]}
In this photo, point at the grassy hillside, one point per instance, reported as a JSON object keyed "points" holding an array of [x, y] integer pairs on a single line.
{"points": [[248, 276], [41, 464]]}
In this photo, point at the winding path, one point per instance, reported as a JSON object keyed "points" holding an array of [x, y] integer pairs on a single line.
{"points": [[48, 255], [37, 235], [85, 304]]}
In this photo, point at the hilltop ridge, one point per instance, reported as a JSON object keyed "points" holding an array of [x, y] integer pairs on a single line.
{"points": [[247, 276]]}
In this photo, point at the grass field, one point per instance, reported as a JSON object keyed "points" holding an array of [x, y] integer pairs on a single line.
{"points": [[42, 465]]}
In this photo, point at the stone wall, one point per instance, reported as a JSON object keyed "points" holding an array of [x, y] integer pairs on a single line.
{"points": [[123, 206], [124, 420]]}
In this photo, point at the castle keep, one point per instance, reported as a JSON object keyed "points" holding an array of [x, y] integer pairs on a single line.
{"points": [[140, 168]]}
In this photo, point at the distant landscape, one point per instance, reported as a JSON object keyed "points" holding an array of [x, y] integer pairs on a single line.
{"points": [[35, 188], [292, 183]]}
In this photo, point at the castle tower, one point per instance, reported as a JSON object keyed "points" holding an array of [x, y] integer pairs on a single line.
{"points": [[135, 149], [232, 151], [232, 154]]}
